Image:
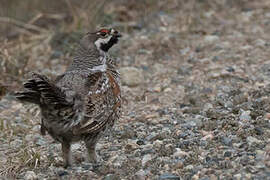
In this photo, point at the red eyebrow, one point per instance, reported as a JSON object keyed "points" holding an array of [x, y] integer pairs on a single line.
{"points": [[104, 30]]}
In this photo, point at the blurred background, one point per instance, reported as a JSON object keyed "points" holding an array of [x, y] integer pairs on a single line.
{"points": [[37, 34]]}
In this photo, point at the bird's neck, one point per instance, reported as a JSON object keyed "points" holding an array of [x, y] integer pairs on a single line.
{"points": [[89, 59]]}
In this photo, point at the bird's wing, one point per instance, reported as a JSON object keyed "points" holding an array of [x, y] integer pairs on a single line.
{"points": [[98, 105]]}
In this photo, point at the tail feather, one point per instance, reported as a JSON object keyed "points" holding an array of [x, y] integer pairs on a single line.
{"points": [[40, 90], [29, 96]]}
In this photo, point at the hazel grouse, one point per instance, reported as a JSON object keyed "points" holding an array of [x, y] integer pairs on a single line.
{"points": [[85, 101]]}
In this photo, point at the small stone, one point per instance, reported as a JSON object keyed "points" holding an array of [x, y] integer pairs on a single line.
{"points": [[189, 167], [157, 144], [227, 154], [30, 175], [62, 172], [246, 47], [213, 177], [211, 38], [251, 140], [131, 76], [146, 159], [148, 148], [260, 43], [179, 165], [152, 137], [157, 89], [111, 177], [258, 131], [159, 68], [180, 153], [195, 177], [140, 142], [207, 106], [140, 175], [184, 51], [131, 146], [208, 137], [245, 116], [237, 176], [168, 176], [226, 141], [267, 115], [167, 90]]}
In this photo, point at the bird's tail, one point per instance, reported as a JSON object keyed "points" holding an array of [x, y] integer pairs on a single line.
{"points": [[39, 90]]}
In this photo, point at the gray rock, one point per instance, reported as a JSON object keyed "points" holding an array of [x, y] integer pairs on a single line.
{"points": [[146, 158], [61, 172], [251, 140], [260, 43], [111, 177], [211, 38], [227, 154], [189, 167], [245, 116], [168, 176], [140, 175], [30, 175], [237, 176], [131, 76], [226, 141]]}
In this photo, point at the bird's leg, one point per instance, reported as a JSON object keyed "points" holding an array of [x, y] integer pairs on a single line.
{"points": [[66, 154], [91, 151]]}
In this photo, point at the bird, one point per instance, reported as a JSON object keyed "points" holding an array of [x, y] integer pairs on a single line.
{"points": [[83, 103]]}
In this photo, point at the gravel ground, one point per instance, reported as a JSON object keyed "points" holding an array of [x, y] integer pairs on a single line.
{"points": [[196, 86]]}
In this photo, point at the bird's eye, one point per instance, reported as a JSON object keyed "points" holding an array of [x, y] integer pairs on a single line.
{"points": [[103, 34]]}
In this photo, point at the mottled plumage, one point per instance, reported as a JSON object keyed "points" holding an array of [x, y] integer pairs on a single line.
{"points": [[84, 101]]}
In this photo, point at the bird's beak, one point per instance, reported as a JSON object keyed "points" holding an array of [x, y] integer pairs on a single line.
{"points": [[115, 33]]}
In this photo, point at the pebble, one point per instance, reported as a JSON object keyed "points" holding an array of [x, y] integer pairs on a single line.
{"points": [[251, 140], [189, 167], [245, 116], [159, 68], [130, 146], [30, 175], [131, 76], [211, 38], [145, 159], [140, 142], [179, 165], [168, 176], [237, 176], [180, 153], [157, 144], [195, 177], [260, 43], [62, 172], [140, 175], [226, 141], [227, 154], [111, 177]]}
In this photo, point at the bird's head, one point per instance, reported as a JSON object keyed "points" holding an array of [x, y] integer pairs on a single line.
{"points": [[103, 39]]}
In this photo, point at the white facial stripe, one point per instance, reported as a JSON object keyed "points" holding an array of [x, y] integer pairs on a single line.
{"points": [[102, 41], [101, 68]]}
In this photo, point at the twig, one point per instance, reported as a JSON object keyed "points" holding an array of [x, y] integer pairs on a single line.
{"points": [[34, 19], [21, 24]]}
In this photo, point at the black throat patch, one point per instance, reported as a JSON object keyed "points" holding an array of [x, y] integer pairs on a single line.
{"points": [[107, 46]]}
